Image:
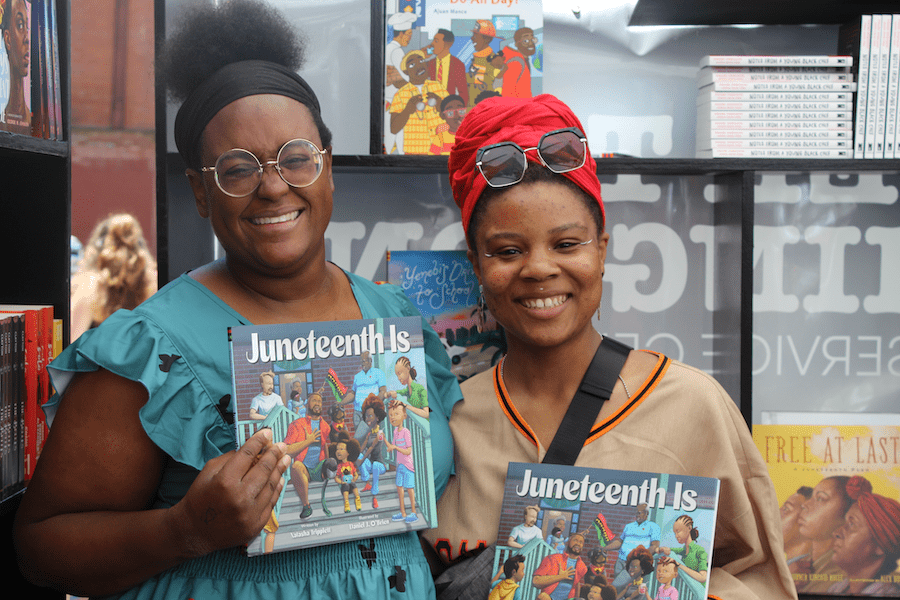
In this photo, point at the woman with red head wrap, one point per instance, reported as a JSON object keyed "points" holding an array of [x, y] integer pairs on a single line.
{"points": [[867, 545], [535, 224]]}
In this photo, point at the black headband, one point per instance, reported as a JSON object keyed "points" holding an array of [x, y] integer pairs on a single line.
{"points": [[233, 82]]}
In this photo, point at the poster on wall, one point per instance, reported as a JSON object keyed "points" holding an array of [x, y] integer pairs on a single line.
{"points": [[444, 56]]}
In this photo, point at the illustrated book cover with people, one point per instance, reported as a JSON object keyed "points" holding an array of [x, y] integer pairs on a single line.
{"points": [[15, 65], [441, 57], [350, 400], [579, 532], [442, 285], [838, 488]]}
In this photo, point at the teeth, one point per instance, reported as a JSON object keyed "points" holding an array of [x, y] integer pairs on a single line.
{"points": [[544, 302], [282, 219]]}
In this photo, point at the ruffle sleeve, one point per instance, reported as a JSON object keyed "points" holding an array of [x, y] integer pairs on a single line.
{"points": [[179, 409]]}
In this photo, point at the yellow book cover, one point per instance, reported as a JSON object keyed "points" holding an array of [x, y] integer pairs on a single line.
{"points": [[838, 487]]}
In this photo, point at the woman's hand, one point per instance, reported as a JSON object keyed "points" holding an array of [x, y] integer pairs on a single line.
{"points": [[232, 498]]}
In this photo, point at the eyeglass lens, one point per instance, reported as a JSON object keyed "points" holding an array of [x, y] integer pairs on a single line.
{"points": [[504, 164], [239, 172]]}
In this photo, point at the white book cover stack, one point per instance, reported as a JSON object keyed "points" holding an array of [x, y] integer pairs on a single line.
{"points": [[874, 42], [775, 106]]}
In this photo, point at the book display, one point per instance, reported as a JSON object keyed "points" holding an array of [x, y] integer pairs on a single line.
{"points": [[443, 58], [442, 285], [357, 478], [874, 42], [775, 107], [575, 522], [838, 491]]}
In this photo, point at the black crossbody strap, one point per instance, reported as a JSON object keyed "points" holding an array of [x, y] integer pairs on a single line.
{"points": [[595, 389]]}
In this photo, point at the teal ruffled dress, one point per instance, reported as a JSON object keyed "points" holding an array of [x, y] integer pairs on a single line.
{"points": [[176, 345]]}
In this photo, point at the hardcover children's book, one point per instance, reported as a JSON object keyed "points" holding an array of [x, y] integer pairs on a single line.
{"points": [[441, 57], [350, 400], [577, 531], [838, 487], [442, 285]]}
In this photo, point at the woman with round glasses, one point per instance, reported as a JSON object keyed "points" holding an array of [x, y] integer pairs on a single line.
{"points": [[535, 225], [139, 489]]}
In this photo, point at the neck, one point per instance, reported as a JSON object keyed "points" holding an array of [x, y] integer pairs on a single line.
{"points": [[537, 370]]}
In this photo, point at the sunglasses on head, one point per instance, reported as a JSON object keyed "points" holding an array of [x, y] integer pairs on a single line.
{"points": [[504, 164]]}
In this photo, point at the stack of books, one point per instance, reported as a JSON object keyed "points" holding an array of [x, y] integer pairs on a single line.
{"points": [[775, 107], [874, 43]]}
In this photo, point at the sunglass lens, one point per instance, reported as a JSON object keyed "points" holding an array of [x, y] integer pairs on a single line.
{"points": [[562, 151], [503, 165]]}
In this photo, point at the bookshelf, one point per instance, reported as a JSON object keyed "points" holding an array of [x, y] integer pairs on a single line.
{"points": [[34, 241]]}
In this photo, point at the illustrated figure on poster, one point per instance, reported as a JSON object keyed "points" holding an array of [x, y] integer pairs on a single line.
{"points": [[345, 452], [371, 462], [415, 106], [795, 545], [694, 557], [394, 79], [513, 573], [556, 540], [596, 574], [305, 445], [600, 592], [517, 64], [15, 25], [666, 572], [445, 68], [639, 563], [640, 532], [453, 109], [369, 380], [819, 517], [527, 530], [480, 76], [406, 469], [867, 546], [263, 403], [414, 393], [560, 575]]}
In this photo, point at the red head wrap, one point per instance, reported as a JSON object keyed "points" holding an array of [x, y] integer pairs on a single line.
{"points": [[882, 514], [519, 120]]}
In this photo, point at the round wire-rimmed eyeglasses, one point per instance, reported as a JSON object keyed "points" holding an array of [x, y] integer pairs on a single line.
{"points": [[238, 172]]}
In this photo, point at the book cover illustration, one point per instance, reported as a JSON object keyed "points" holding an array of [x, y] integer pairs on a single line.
{"points": [[575, 532], [442, 285], [15, 66], [838, 488], [444, 56], [349, 398]]}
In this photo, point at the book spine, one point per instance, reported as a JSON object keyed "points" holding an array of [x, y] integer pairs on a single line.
{"points": [[845, 126], [781, 69], [818, 60], [706, 77], [883, 75], [872, 97], [799, 134], [890, 128], [862, 94], [796, 153], [743, 144], [57, 77], [770, 115], [713, 96], [781, 86], [778, 106]]}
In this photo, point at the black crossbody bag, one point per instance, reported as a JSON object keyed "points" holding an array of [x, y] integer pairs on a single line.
{"points": [[470, 579]]}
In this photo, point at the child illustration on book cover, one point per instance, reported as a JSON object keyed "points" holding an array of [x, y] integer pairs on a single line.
{"points": [[406, 470]]}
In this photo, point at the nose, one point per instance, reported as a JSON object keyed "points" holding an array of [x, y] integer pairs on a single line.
{"points": [[539, 264], [271, 184]]}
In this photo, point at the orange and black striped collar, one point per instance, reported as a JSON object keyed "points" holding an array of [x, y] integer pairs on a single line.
{"points": [[509, 409]]}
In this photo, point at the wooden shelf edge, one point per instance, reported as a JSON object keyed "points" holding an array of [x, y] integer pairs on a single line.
{"points": [[25, 143]]}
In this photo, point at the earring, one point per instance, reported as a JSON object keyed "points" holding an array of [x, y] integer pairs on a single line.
{"points": [[480, 309]]}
